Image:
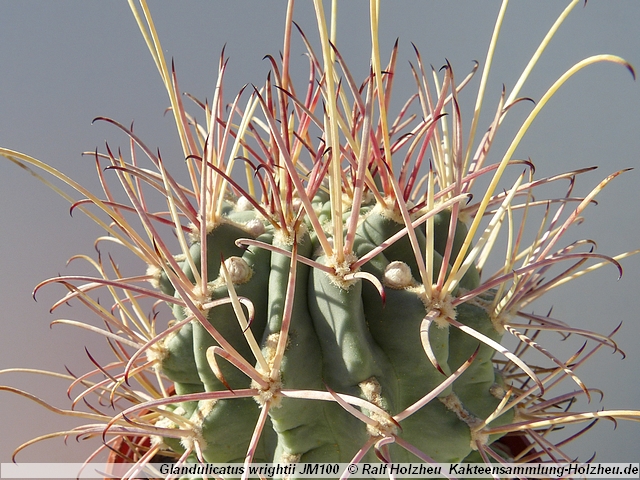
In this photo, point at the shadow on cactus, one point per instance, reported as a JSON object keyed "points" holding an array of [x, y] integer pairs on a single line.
{"points": [[325, 281]]}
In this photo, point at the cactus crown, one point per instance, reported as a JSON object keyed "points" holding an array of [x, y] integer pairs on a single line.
{"points": [[331, 303]]}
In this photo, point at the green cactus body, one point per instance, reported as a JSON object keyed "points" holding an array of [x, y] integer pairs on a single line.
{"points": [[223, 318], [350, 356], [308, 431], [341, 336]]}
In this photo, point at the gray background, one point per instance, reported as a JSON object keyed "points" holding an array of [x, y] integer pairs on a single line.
{"points": [[63, 63]]}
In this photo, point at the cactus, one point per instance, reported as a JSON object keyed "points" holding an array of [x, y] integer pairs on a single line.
{"points": [[353, 334], [333, 306]]}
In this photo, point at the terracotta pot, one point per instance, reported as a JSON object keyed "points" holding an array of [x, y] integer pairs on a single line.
{"points": [[513, 444], [131, 449]]}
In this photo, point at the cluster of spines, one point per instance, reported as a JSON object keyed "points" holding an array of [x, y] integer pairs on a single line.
{"points": [[357, 337]]}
